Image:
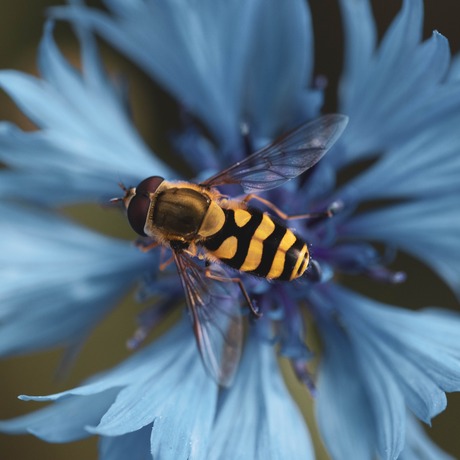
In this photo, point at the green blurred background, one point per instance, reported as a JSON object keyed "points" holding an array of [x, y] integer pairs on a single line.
{"points": [[21, 25]]}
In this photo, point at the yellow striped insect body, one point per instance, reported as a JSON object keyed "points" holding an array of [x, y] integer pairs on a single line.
{"points": [[196, 220], [251, 241]]}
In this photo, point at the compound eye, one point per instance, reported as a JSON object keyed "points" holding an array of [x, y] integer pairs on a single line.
{"points": [[149, 185], [137, 212]]}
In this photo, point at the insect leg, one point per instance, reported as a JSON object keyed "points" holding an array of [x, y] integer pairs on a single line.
{"points": [[167, 262], [146, 247], [253, 309], [329, 212]]}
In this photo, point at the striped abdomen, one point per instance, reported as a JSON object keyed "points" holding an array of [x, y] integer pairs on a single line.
{"points": [[250, 241]]}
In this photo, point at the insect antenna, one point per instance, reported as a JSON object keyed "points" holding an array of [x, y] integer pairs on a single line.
{"points": [[119, 198]]}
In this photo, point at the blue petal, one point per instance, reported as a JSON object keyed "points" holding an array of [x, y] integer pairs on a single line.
{"points": [[282, 51], [419, 446], [257, 418], [424, 361], [62, 422], [254, 50], [61, 176], [360, 39], [59, 279], [198, 151], [387, 402], [426, 165], [183, 420], [427, 229], [63, 187], [423, 395], [85, 130], [394, 369], [197, 50], [153, 360], [175, 394], [454, 71], [404, 33], [400, 80], [132, 445], [343, 408], [164, 384]]}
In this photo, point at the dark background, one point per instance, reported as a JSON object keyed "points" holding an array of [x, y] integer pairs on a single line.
{"points": [[21, 24]]}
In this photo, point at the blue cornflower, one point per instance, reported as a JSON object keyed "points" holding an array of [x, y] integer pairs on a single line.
{"points": [[240, 68]]}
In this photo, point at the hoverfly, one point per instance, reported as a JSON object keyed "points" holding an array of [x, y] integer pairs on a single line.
{"points": [[196, 220]]}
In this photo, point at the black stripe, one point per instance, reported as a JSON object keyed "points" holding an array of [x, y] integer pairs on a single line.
{"points": [[292, 255], [243, 235], [228, 229], [270, 246]]}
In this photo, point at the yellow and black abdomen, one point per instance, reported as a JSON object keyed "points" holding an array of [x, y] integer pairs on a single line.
{"points": [[250, 241]]}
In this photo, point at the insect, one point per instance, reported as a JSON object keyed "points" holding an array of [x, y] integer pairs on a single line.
{"points": [[197, 221]]}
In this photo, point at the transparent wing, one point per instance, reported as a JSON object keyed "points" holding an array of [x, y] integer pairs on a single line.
{"points": [[286, 158], [216, 317]]}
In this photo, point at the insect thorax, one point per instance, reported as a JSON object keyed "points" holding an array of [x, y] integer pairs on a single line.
{"points": [[178, 212]]}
